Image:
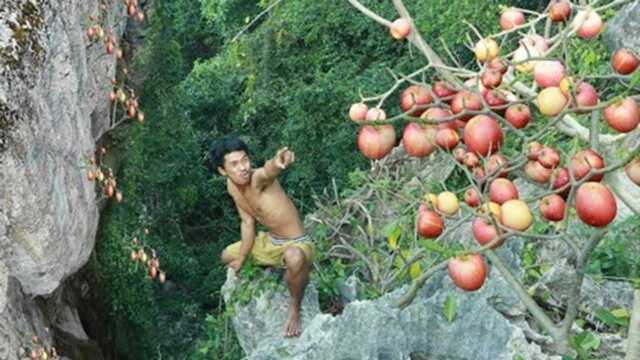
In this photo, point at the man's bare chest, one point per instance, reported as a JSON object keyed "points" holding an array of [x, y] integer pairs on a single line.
{"points": [[251, 202]]}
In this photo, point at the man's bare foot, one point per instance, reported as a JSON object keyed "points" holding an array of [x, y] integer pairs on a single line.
{"points": [[292, 325]]}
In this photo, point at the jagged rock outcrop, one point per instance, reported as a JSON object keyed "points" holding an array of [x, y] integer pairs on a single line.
{"points": [[53, 91], [377, 329]]}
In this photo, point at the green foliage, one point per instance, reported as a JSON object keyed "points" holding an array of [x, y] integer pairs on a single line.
{"points": [[450, 308], [220, 341], [584, 343], [618, 256], [614, 319]]}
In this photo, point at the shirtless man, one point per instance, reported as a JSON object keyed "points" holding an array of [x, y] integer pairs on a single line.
{"points": [[259, 196]]}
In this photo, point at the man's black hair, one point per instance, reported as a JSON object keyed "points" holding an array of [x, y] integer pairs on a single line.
{"points": [[222, 147]]}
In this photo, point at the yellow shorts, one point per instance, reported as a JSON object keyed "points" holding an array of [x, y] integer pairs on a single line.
{"points": [[264, 252]]}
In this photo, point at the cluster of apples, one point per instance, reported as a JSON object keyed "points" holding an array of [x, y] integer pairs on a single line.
{"points": [[152, 264], [95, 32], [442, 126], [468, 120], [108, 182], [129, 102], [558, 89], [38, 351], [133, 10]]}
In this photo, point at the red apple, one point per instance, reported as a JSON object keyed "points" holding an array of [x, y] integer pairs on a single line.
{"points": [[623, 115], [548, 73], [560, 10], [471, 160], [583, 161], [491, 79], [437, 115], [415, 96], [465, 100], [496, 99], [518, 115], [497, 162], [131, 10], [559, 179], [511, 18], [533, 150], [552, 207], [624, 61], [586, 95], [484, 232], [502, 190], [497, 64], [358, 112], [371, 142], [633, 171], [388, 134], [400, 28], [376, 114], [536, 172], [459, 154], [429, 224], [419, 140], [483, 135], [471, 197], [549, 158], [478, 173], [587, 24], [475, 86], [442, 89], [595, 204], [537, 42], [447, 138], [108, 191], [468, 272]]}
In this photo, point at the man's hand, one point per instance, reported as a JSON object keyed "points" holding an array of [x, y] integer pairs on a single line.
{"points": [[284, 157], [236, 265]]}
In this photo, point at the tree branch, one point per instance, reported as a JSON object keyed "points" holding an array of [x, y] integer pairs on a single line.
{"points": [[574, 297], [538, 313]]}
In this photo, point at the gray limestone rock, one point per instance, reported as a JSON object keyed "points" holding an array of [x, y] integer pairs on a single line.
{"points": [[53, 91], [376, 329], [624, 29], [594, 295]]}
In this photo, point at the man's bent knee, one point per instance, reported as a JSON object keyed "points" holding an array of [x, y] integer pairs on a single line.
{"points": [[225, 257], [295, 259]]}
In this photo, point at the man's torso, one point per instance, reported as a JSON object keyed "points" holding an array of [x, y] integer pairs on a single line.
{"points": [[270, 206]]}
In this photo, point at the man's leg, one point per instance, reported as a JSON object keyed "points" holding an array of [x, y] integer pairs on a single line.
{"points": [[296, 277]]}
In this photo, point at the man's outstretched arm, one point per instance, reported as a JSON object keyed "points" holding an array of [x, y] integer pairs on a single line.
{"points": [[273, 167]]}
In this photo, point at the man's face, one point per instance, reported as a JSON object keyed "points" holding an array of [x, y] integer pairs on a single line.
{"points": [[237, 167]]}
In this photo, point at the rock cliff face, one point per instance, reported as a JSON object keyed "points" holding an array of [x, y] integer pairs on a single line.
{"points": [[53, 88]]}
